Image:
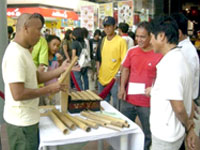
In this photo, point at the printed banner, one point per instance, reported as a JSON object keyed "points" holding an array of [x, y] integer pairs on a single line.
{"points": [[125, 12], [87, 17], [105, 10]]}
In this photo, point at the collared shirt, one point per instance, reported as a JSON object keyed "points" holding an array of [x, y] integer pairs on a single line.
{"points": [[190, 53]]}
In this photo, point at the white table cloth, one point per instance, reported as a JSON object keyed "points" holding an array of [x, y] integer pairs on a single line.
{"points": [[131, 138]]}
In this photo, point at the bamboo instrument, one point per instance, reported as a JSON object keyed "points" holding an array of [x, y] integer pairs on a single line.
{"points": [[87, 122], [65, 120], [94, 95], [121, 121], [93, 117], [97, 122], [103, 124], [86, 95], [64, 95], [45, 109], [112, 127], [113, 122], [58, 123], [68, 70], [78, 123], [65, 77]]}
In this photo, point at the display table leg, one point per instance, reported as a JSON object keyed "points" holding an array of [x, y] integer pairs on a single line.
{"points": [[124, 142], [100, 144]]}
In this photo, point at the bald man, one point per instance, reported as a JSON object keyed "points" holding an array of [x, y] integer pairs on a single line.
{"points": [[21, 79]]}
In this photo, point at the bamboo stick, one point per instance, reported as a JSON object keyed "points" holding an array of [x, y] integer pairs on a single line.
{"points": [[86, 95], [78, 123], [93, 117], [81, 95], [112, 127], [65, 120], [58, 123], [111, 118], [97, 122], [94, 95], [87, 122], [113, 121], [68, 70], [64, 95]]}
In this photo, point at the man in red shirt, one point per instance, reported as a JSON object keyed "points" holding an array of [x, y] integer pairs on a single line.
{"points": [[139, 73]]}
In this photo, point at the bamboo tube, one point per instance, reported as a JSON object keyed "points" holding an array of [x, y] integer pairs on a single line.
{"points": [[93, 117], [75, 96], [68, 70], [89, 95], [65, 120], [112, 127], [64, 95], [87, 122], [110, 117], [45, 109], [78, 123], [113, 122], [86, 95], [97, 122], [94, 95], [81, 95], [58, 123]]}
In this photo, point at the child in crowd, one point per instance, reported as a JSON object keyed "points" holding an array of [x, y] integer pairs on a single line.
{"points": [[53, 47]]}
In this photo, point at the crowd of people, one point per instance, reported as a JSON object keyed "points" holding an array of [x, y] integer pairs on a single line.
{"points": [[158, 68]]}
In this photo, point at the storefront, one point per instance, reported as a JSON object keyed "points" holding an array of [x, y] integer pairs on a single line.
{"points": [[56, 20]]}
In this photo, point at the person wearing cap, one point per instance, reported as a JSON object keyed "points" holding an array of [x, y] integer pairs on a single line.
{"points": [[123, 32], [113, 51]]}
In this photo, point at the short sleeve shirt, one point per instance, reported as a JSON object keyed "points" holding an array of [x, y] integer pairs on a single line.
{"points": [[142, 66], [18, 67], [40, 52]]}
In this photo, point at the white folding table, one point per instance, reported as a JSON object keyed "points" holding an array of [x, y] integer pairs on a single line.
{"points": [[131, 138]]}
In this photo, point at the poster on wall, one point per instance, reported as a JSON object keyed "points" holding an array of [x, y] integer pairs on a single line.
{"points": [[87, 17], [105, 10], [125, 12]]}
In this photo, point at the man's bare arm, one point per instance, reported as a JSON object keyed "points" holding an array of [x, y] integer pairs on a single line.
{"points": [[179, 109], [20, 93]]}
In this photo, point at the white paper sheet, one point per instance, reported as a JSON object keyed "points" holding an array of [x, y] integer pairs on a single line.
{"points": [[136, 88]]}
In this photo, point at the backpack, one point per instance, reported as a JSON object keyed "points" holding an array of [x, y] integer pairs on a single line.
{"points": [[84, 58]]}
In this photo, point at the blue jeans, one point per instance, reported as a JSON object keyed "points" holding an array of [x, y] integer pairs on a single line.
{"points": [[78, 75], [113, 92], [143, 113]]}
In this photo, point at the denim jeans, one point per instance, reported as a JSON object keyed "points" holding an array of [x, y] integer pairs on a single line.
{"points": [[113, 92], [143, 113], [84, 75]]}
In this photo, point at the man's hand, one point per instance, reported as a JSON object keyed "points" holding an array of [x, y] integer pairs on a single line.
{"points": [[56, 87], [191, 139], [122, 94], [148, 91]]}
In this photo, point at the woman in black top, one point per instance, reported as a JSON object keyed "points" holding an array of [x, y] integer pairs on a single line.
{"points": [[77, 45]]}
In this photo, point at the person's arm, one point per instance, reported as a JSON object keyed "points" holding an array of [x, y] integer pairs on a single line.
{"points": [[124, 79], [73, 53], [65, 49], [179, 109], [97, 66], [46, 76], [20, 93]]}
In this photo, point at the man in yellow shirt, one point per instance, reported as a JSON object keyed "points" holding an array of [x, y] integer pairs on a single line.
{"points": [[113, 50]]}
